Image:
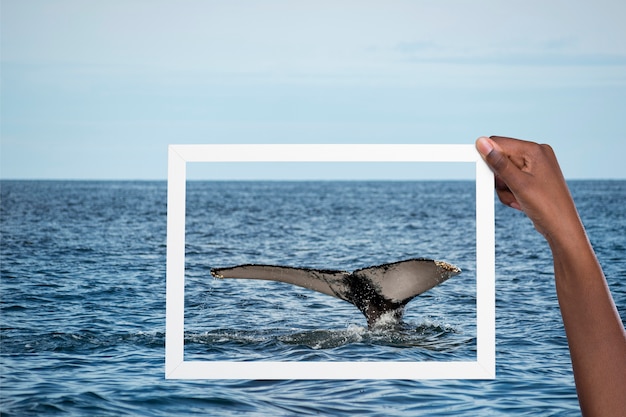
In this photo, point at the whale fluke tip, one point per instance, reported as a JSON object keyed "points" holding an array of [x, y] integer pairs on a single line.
{"points": [[454, 270]]}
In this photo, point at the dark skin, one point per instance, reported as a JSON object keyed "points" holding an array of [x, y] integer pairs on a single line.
{"points": [[528, 178]]}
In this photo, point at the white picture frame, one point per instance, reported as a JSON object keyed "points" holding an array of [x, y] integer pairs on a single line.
{"points": [[177, 368]]}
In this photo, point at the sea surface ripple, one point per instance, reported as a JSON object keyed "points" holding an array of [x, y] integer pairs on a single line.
{"points": [[82, 301]]}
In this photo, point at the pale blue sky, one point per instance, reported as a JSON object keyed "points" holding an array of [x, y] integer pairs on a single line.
{"points": [[98, 89]]}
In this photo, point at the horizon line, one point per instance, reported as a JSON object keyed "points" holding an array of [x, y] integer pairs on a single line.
{"points": [[283, 179]]}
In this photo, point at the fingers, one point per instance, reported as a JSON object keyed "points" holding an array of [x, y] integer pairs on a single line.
{"points": [[505, 195]]}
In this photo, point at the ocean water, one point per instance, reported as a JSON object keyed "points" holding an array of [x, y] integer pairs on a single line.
{"points": [[83, 297]]}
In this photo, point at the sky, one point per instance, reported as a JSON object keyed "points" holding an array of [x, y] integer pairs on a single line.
{"points": [[97, 90]]}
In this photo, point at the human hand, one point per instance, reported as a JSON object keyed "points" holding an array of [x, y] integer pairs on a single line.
{"points": [[528, 178]]}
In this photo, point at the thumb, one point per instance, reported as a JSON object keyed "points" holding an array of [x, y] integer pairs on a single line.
{"points": [[496, 159]]}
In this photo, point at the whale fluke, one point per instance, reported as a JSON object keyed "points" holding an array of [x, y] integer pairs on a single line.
{"points": [[375, 290]]}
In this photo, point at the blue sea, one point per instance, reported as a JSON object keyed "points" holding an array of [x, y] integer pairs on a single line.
{"points": [[83, 297]]}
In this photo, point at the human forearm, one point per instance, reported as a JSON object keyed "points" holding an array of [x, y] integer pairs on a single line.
{"points": [[594, 330]]}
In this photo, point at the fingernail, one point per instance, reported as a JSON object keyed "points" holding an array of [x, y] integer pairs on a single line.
{"points": [[484, 146]]}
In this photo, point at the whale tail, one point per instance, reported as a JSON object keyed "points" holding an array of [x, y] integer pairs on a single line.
{"points": [[377, 291]]}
